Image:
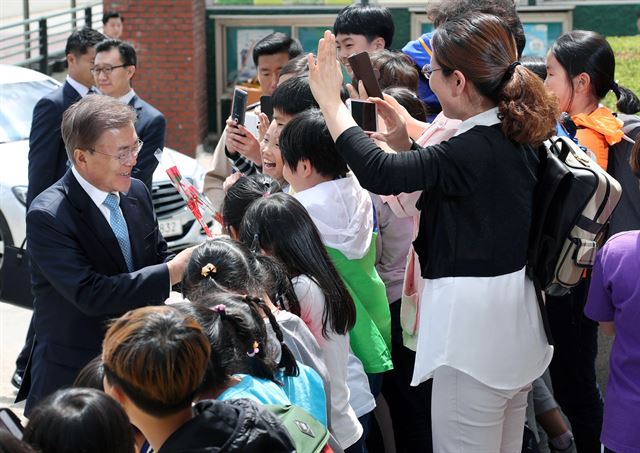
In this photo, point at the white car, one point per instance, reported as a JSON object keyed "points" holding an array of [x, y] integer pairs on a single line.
{"points": [[20, 90]]}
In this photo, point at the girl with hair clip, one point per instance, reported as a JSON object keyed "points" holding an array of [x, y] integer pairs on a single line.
{"points": [[241, 366], [223, 265], [481, 333], [581, 71], [282, 228]]}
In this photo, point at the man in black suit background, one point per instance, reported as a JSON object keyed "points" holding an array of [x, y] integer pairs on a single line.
{"points": [[114, 68], [94, 245], [47, 156]]}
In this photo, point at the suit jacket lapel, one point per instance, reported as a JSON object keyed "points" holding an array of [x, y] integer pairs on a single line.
{"points": [[94, 220], [69, 95]]}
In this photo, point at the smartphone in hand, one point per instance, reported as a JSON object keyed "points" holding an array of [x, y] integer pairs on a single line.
{"points": [[266, 107], [239, 106], [365, 114], [363, 70]]}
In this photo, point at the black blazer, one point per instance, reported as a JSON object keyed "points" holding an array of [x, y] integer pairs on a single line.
{"points": [[150, 127], [47, 154], [79, 277]]}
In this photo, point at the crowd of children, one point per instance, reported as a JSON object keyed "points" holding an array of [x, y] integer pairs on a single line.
{"points": [[376, 282]]}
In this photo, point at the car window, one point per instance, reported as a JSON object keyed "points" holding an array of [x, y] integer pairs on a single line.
{"points": [[17, 101]]}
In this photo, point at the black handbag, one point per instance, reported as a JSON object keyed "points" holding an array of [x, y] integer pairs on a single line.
{"points": [[15, 283]]}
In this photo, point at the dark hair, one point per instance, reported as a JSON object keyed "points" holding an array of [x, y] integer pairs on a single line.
{"points": [[285, 230], [234, 329], [293, 96], [111, 15], [367, 20], [276, 43], [634, 159], [80, 41], [126, 50], [482, 48], [581, 51], [439, 11], [306, 137], [77, 420], [535, 64], [157, 357], [297, 66], [242, 193], [395, 69], [92, 375], [410, 101]]}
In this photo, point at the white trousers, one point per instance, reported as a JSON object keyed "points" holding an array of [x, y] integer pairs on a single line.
{"points": [[470, 417]]}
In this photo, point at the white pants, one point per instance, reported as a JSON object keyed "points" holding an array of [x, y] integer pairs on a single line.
{"points": [[470, 417]]}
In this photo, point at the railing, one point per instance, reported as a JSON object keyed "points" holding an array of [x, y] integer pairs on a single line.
{"points": [[37, 42]]}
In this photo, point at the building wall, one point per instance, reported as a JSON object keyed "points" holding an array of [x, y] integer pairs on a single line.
{"points": [[169, 38]]}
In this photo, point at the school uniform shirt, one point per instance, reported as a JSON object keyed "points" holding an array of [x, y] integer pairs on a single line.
{"points": [[614, 295], [335, 354], [343, 213], [479, 313]]}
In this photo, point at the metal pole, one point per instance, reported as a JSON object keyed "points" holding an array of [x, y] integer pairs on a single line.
{"points": [[27, 29], [44, 47], [73, 15], [87, 17]]}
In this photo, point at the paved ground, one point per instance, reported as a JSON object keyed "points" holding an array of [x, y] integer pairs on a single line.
{"points": [[14, 322]]}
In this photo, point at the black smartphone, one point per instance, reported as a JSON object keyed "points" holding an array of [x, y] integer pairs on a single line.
{"points": [[10, 422], [266, 107], [362, 70], [239, 106], [365, 114]]}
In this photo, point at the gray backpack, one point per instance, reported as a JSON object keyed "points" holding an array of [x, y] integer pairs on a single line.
{"points": [[627, 215]]}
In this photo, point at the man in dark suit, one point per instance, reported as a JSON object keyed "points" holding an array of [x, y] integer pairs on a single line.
{"points": [[94, 245], [47, 156], [115, 66]]}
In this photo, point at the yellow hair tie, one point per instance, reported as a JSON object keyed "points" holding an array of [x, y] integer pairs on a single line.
{"points": [[208, 269]]}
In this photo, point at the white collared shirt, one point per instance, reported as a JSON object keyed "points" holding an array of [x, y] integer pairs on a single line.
{"points": [[486, 118], [127, 97], [97, 196], [80, 88]]}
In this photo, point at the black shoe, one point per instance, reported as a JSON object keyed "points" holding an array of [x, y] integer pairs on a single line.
{"points": [[16, 379]]}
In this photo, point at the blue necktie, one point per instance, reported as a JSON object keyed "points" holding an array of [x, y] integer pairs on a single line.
{"points": [[119, 227]]}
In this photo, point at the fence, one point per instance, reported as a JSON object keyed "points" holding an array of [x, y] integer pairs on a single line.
{"points": [[37, 43]]}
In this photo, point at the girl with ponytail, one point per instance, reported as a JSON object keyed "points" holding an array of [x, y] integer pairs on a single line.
{"points": [[581, 71], [481, 336]]}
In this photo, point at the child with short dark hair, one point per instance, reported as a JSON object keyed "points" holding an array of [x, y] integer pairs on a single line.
{"points": [[79, 419], [343, 213], [360, 28]]}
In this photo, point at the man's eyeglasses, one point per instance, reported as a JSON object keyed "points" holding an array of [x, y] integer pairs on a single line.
{"points": [[96, 70], [125, 155], [427, 70]]}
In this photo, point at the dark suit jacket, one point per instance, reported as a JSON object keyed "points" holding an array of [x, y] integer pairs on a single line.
{"points": [[150, 127], [47, 155], [80, 280]]}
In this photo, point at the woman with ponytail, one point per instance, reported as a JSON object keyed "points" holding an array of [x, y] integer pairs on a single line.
{"points": [[580, 71], [481, 335]]}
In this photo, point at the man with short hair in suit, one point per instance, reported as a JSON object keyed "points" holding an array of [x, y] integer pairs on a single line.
{"points": [[47, 156], [94, 245], [114, 68]]}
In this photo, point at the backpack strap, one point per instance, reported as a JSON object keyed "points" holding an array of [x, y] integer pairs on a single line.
{"points": [[543, 311], [425, 46]]}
